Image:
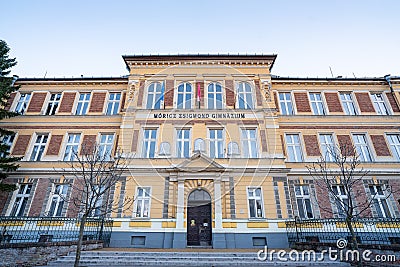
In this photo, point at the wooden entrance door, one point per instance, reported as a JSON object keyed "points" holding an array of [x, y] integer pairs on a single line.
{"points": [[199, 225]]}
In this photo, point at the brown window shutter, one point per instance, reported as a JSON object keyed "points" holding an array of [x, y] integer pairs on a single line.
{"points": [[67, 102], [380, 145], [97, 103], [54, 145], [21, 145], [263, 141], [36, 103], [258, 93], [311, 143], [169, 94], [229, 93], [10, 100], [392, 102], [135, 140], [38, 201], [302, 103], [88, 143], [364, 102], [345, 144], [140, 93], [333, 102], [276, 101], [123, 99]]}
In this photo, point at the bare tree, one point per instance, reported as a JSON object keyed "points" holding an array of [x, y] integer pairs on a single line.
{"points": [[95, 173], [339, 173]]}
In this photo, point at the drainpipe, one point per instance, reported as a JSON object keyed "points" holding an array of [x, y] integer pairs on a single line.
{"points": [[388, 80]]}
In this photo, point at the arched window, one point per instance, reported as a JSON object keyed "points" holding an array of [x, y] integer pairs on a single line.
{"points": [[245, 96], [184, 98], [214, 96], [155, 96], [199, 145], [199, 195], [233, 149]]}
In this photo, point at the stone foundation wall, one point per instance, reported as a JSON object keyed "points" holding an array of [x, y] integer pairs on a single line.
{"points": [[32, 254]]}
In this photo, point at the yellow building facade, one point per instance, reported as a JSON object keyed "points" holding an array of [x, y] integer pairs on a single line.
{"points": [[217, 147]]}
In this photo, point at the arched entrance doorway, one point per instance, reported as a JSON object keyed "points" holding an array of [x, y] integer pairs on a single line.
{"points": [[199, 223]]}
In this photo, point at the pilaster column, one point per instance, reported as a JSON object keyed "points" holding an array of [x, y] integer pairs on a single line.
{"points": [[180, 204], [218, 203]]}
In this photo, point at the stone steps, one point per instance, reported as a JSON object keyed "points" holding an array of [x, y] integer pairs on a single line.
{"points": [[167, 258]]}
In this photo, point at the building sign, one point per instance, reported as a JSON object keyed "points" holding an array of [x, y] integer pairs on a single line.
{"points": [[198, 115]]}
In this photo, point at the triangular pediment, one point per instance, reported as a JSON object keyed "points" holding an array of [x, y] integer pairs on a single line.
{"points": [[199, 162]]}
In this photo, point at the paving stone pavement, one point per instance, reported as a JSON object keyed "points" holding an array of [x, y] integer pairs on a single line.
{"points": [[211, 258]]}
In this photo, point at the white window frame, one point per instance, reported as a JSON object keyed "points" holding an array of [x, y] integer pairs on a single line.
{"points": [[362, 148], [381, 108], [53, 104], [154, 95], [247, 141], [113, 103], [317, 105], [98, 205], [72, 146], [216, 143], [394, 143], [181, 154], [39, 147], [328, 148], [185, 104], [106, 146], [23, 192], [348, 104], [341, 194], [146, 196], [305, 197], [22, 103], [9, 141], [255, 198], [82, 105], [213, 96], [57, 197], [147, 141], [297, 147], [284, 103], [240, 90], [379, 201]]}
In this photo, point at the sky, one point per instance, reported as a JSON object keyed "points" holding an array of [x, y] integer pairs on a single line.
{"points": [[88, 37]]}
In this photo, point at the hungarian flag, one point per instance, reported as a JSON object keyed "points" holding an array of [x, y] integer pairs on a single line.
{"points": [[198, 93]]}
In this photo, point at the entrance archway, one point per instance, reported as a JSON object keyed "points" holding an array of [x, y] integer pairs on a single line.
{"points": [[199, 223]]}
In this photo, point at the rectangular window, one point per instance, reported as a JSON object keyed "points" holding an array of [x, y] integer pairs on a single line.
{"points": [[379, 104], [256, 207], [245, 96], [249, 143], [341, 200], [21, 200], [22, 103], [183, 143], [317, 104], [113, 103], [142, 202], [285, 104], [214, 96], [155, 95], [149, 143], [380, 201], [7, 141], [361, 145], [53, 104], [83, 104], [38, 147], [216, 143], [96, 200], [71, 149], [394, 142], [106, 146], [348, 104], [328, 148], [59, 195], [294, 148], [303, 201], [184, 97]]}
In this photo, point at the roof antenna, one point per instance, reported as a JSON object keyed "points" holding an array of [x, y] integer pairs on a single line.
{"points": [[354, 75], [45, 74], [331, 71]]}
